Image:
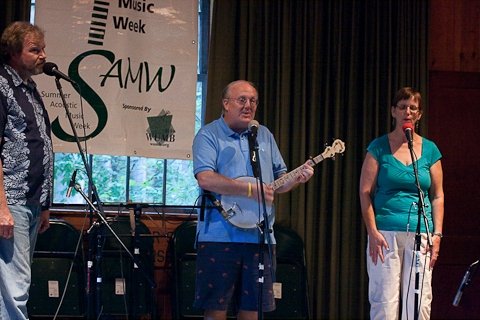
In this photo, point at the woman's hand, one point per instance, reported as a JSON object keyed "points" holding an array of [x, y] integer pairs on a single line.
{"points": [[376, 244]]}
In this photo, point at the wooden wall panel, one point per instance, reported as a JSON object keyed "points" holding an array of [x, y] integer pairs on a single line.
{"points": [[454, 92], [454, 35], [453, 125]]}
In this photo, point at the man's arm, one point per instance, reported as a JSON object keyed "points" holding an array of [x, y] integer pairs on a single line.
{"points": [[217, 183]]}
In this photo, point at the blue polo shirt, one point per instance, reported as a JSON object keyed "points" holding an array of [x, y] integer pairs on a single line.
{"points": [[218, 148]]}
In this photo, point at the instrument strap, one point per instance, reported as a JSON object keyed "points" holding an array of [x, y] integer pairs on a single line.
{"points": [[202, 205]]}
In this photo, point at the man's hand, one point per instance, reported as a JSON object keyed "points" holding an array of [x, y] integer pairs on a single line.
{"points": [[306, 172], [44, 221], [268, 191], [6, 223]]}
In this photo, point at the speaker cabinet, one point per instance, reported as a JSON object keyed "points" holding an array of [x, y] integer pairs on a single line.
{"points": [[184, 256], [291, 276], [125, 289], [54, 257], [49, 278], [185, 288], [290, 296]]}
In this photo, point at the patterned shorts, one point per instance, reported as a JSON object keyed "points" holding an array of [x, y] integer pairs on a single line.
{"points": [[229, 272]]}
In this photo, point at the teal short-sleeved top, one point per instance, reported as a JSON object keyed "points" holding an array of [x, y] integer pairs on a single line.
{"points": [[396, 195]]}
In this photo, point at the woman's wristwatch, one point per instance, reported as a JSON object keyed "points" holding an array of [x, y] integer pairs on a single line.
{"points": [[438, 234]]}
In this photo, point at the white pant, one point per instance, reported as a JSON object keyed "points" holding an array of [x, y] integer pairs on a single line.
{"points": [[396, 276]]}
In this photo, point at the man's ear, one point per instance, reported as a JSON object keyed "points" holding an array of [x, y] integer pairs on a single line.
{"points": [[225, 105]]}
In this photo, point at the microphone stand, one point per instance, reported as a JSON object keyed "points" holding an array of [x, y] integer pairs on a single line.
{"points": [[100, 213], [263, 226], [418, 237], [472, 269]]}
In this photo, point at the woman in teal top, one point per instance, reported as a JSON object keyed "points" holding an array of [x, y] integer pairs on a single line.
{"points": [[389, 201]]}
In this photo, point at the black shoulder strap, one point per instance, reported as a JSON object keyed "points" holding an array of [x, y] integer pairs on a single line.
{"points": [[202, 205]]}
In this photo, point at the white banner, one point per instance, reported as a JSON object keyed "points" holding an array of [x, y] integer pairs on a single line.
{"points": [[135, 64]]}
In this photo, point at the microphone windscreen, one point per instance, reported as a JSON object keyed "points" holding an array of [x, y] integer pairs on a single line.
{"points": [[48, 68], [407, 125], [253, 125]]}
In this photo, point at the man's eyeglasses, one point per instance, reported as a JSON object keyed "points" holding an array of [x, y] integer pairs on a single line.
{"points": [[243, 101], [413, 108]]}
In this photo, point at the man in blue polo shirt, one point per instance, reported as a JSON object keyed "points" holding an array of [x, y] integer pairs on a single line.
{"points": [[228, 255], [26, 163]]}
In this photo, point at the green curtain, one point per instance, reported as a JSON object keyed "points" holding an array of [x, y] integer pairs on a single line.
{"points": [[324, 69], [13, 10]]}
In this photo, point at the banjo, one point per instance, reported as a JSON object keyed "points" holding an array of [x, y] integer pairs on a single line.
{"points": [[242, 211]]}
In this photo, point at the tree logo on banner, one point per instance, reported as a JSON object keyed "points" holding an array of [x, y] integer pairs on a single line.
{"points": [[160, 129]]}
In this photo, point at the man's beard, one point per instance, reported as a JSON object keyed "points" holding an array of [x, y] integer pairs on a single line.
{"points": [[37, 70]]}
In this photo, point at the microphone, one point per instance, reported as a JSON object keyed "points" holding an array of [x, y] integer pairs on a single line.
{"points": [[218, 205], [51, 69], [72, 183], [408, 129], [465, 282], [252, 143], [253, 127]]}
